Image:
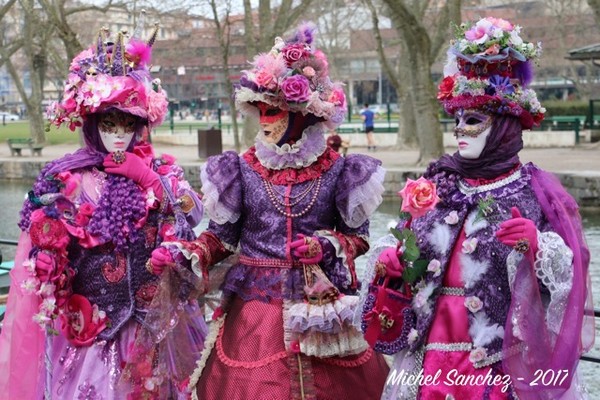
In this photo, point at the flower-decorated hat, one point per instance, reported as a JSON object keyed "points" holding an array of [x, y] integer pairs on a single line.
{"points": [[489, 68], [111, 75], [293, 76]]}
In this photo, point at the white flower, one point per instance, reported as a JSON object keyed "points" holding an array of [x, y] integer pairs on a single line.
{"points": [[30, 285], [452, 218], [29, 265], [434, 266], [473, 303], [477, 354], [420, 300], [515, 39], [48, 305], [41, 319], [469, 245], [46, 289], [413, 335]]}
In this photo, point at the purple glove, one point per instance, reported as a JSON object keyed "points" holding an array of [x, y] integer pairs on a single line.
{"points": [[161, 258], [134, 168], [389, 258], [307, 249], [519, 233]]}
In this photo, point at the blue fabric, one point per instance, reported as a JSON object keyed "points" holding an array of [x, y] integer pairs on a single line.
{"points": [[369, 115]]}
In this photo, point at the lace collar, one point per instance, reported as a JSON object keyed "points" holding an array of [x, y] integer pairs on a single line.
{"points": [[298, 155]]}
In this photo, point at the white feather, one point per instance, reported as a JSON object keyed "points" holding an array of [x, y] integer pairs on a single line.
{"points": [[471, 226], [440, 238], [482, 332], [472, 270]]}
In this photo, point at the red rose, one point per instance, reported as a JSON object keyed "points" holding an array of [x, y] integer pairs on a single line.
{"points": [[86, 209], [48, 233], [445, 88], [82, 322]]}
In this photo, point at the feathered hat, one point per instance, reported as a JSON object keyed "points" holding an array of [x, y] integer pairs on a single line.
{"points": [[489, 67], [293, 76], [112, 75]]}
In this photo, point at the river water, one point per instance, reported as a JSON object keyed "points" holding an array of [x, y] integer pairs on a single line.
{"points": [[13, 193]]}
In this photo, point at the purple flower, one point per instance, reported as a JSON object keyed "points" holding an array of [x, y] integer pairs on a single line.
{"points": [[296, 88], [499, 84]]}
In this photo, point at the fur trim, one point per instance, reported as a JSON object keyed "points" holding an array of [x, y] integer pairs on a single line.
{"points": [[472, 226], [482, 332], [440, 238], [472, 270]]}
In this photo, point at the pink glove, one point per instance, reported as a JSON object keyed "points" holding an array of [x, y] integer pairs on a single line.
{"points": [[519, 233], [307, 249], [134, 168], [44, 266], [161, 258], [389, 258]]}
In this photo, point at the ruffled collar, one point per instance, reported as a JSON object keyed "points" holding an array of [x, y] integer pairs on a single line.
{"points": [[301, 154], [292, 175]]}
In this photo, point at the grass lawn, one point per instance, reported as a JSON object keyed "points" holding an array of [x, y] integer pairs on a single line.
{"points": [[20, 129]]}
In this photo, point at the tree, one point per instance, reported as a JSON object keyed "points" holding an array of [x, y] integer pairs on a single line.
{"points": [[422, 28], [223, 28], [595, 6]]}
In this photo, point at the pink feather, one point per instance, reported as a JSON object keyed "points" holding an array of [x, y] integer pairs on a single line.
{"points": [[139, 52]]}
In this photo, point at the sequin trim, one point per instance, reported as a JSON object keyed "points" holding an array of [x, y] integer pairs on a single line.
{"points": [[452, 291], [461, 346], [470, 190], [268, 262]]}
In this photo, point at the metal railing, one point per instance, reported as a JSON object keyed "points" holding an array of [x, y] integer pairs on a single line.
{"points": [[14, 243]]}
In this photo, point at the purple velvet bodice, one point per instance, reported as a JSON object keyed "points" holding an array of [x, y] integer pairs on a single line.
{"points": [[437, 238], [263, 232]]}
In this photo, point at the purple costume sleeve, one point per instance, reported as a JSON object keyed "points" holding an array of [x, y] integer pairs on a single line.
{"points": [[546, 351], [359, 189], [222, 187]]}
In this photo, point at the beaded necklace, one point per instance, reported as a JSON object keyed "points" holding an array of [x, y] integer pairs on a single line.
{"points": [[272, 193]]}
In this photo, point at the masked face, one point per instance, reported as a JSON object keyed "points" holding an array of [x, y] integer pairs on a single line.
{"points": [[273, 122], [471, 131], [116, 130]]}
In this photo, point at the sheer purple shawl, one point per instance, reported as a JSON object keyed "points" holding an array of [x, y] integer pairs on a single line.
{"points": [[499, 155], [546, 351]]}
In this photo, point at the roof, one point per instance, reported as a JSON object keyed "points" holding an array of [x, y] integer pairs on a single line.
{"points": [[589, 52]]}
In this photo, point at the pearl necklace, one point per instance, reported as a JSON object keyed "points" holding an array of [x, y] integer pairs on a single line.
{"points": [[470, 190], [278, 203], [297, 198]]}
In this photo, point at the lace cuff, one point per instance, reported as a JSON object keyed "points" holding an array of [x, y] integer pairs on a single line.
{"points": [[553, 268]]}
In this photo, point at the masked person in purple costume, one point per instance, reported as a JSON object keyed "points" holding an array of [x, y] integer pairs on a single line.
{"points": [[499, 312], [110, 327], [296, 214]]}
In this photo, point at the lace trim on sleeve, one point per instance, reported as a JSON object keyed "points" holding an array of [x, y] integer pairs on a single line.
{"points": [[216, 210], [553, 267], [364, 200]]}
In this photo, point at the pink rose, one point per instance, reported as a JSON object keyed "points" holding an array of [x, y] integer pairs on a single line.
{"points": [[266, 80], [338, 97], [473, 303], [308, 71], [81, 219], [469, 245], [477, 34], [296, 88], [82, 322], [157, 107], [452, 218], [87, 209], [294, 52], [501, 23], [418, 197], [477, 354], [492, 50], [435, 267]]}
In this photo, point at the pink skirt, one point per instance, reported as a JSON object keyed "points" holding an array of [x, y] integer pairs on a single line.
{"points": [[249, 361]]}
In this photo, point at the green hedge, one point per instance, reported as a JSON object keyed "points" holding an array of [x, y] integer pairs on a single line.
{"points": [[559, 108]]}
